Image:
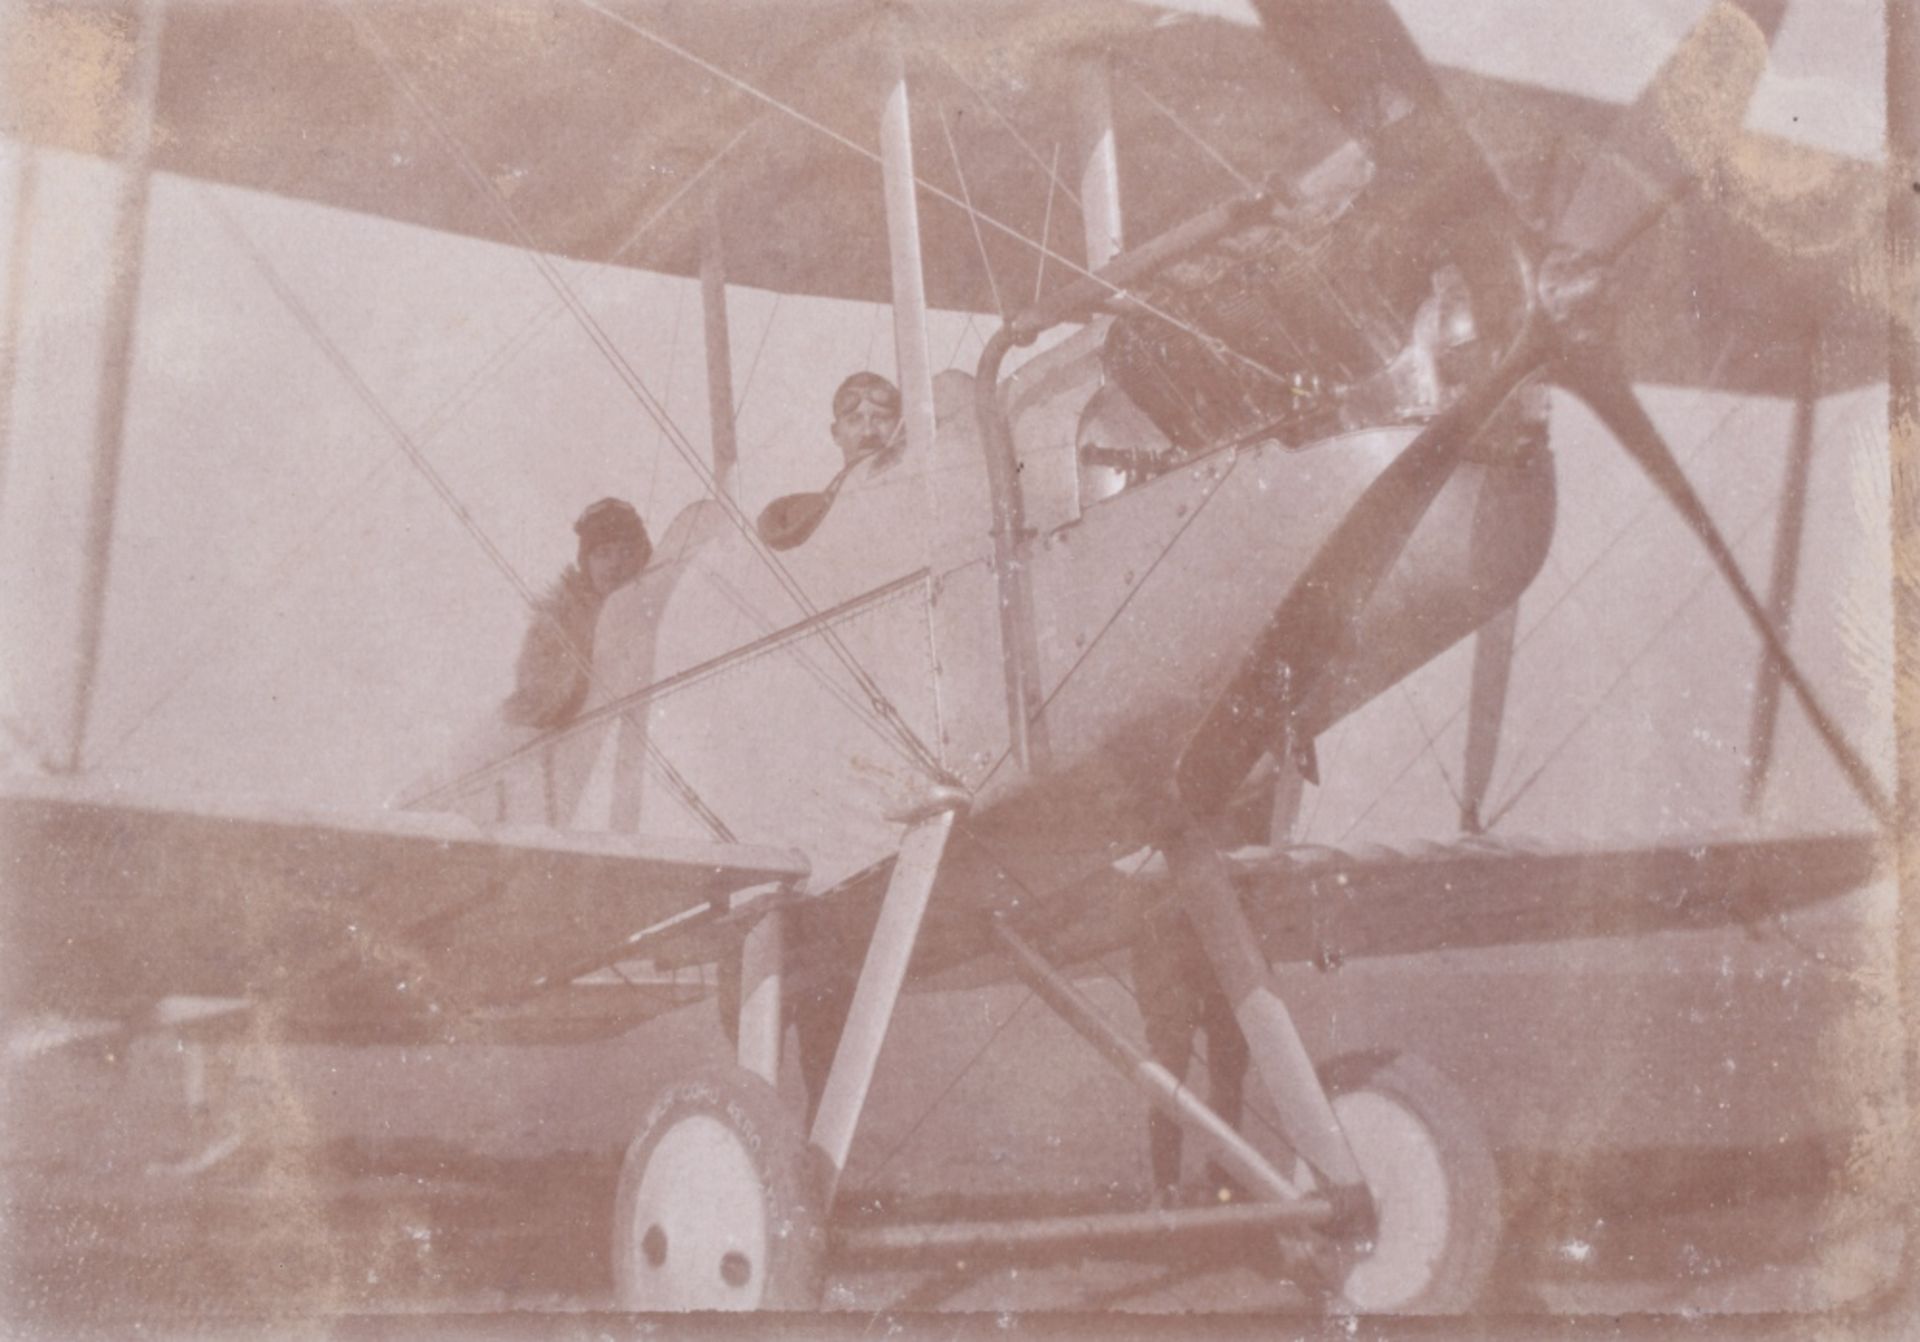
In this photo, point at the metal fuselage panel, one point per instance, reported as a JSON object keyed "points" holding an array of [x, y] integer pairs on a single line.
{"points": [[1147, 606]]}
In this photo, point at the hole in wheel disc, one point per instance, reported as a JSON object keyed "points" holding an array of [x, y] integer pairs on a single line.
{"points": [[735, 1270], [654, 1245]]}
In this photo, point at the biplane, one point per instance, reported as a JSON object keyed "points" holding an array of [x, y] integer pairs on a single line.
{"points": [[991, 697]]}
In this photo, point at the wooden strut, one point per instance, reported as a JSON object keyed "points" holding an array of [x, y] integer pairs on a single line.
{"points": [[1163, 1090], [1100, 164], [913, 357], [116, 363], [882, 974], [944, 1242], [1279, 1055], [762, 972], [719, 341]]}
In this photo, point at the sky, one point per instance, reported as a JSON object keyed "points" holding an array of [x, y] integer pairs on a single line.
{"points": [[298, 613]]}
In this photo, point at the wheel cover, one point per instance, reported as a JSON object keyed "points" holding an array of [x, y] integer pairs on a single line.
{"points": [[700, 1236], [1407, 1176]]}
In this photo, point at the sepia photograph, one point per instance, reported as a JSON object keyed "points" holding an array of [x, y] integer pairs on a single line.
{"points": [[959, 667]]}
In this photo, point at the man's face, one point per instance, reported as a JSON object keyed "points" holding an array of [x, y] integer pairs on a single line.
{"points": [[868, 426], [611, 565]]}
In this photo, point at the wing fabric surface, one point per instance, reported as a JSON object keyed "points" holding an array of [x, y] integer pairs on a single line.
{"points": [[342, 923], [1329, 905], [602, 132]]}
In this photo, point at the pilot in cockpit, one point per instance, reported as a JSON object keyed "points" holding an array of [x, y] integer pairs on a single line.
{"points": [[868, 429], [866, 418]]}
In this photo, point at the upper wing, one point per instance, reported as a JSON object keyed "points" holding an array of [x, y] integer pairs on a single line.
{"points": [[382, 924], [582, 127]]}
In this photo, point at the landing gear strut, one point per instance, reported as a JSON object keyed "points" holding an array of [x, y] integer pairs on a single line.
{"points": [[1393, 1196]]}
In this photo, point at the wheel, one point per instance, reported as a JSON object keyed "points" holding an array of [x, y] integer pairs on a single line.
{"points": [[1436, 1190], [717, 1207]]}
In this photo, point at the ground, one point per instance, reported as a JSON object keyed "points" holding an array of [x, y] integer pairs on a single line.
{"points": [[1710, 1175]]}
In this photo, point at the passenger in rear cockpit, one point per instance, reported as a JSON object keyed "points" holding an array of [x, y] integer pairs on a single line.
{"points": [[553, 673]]}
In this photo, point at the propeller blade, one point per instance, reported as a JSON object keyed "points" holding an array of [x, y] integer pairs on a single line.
{"points": [[1786, 575], [1362, 63], [1682, 122], [1596, 379], [1486, 710], [1358, 58], [1310, 627]]}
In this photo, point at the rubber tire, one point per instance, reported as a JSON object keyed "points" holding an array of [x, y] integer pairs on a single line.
{"points": [[764, 1225], [1383, 1101]]}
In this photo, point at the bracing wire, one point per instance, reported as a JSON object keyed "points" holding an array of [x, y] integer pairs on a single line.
{"points": [[437, 421], [903, 737], [967, 331], [1042, 246], [1218, 351], [1432, 745], [304, 318], [960, 1074], [973, 218], [977, 217], [746, 383], [743, 606], [993, 109], [1707, 576], [1244, 182], [666, 399], [966, 831], [1046, 226], [192, 659], [437, 482], [1648, 505]]}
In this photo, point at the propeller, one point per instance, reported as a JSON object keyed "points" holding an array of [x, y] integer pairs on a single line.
{"points": [[1361, 60], [1364, 66], [1310, 628], [1672, 134]]}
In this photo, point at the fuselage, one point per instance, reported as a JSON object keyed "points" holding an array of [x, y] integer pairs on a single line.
{"points": [[1148, 605], [811, 699]]}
